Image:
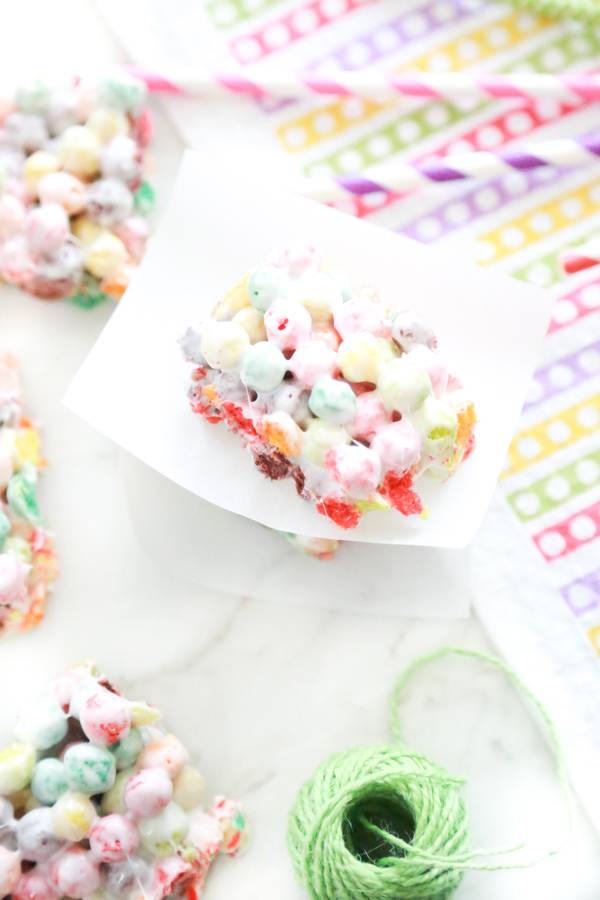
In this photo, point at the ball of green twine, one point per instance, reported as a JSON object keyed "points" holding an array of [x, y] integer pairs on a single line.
{"points": [[385, 823], [369, 822]]}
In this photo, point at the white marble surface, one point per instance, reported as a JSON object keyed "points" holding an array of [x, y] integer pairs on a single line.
{"points": [[260, 692]]}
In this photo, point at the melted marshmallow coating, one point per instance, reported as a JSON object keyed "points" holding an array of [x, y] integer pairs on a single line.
{"points": [[349, 398]]}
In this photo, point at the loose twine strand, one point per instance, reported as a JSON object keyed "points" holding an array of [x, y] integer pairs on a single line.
{"points": [[329, 819], [554, 739]]}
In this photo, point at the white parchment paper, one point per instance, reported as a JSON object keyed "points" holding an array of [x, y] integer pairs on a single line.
{"points": [[220, 221], [217, 549]]}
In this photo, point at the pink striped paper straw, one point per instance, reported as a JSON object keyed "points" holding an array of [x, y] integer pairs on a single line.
{"points": [[398, 177], [261, 82], [583, 257]]}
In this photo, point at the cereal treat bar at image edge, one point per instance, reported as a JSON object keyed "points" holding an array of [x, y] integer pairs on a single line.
{"points": [[98, 801], [319, 548], [325, 385], [73, 187], [27, 561]]}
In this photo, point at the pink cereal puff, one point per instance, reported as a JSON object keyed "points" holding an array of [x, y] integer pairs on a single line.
{"points": [[63, 686], [356, 468], [371, 415], [114, 838], [134, 234], [75, 873], [12, 161], [17, 188], [434, 365], [328, 334], [64, 189], [46, 228], [454, 383], [13, 580], [35, 885], [148, 792], [366, 290], [25, 132], [87, 99], [6, 108], [142, 129], [12, 216], [121, 160], [170, 875], [360, 314], [167, 753], [104, 717], [297, 258], [301, 258], [10, 871], [312, 362], [398, 446], [84, 689], [233, 825], [16, 264], [205, 833], [288, 324], [409, 330]]}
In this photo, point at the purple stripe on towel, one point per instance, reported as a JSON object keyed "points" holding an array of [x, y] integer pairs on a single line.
{"points": [[583, 594], [480, 201], [565, 373]]}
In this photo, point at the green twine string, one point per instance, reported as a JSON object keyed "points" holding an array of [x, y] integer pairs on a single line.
{"points": [[386, 823], [585, 10]]}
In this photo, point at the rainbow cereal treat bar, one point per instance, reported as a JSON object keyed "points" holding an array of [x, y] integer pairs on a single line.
{"points": [[326, 386], [27, 560], [73, 188], [100, 802]]}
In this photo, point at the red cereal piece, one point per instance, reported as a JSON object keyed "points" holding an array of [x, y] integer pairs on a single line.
{"points": [[470, 446], [362, 387], [51, 289], [174, 876], [207, 412], [142, 128], [300, 480], [237, 420], [343, 514], [398, 490], [203, 398]]}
